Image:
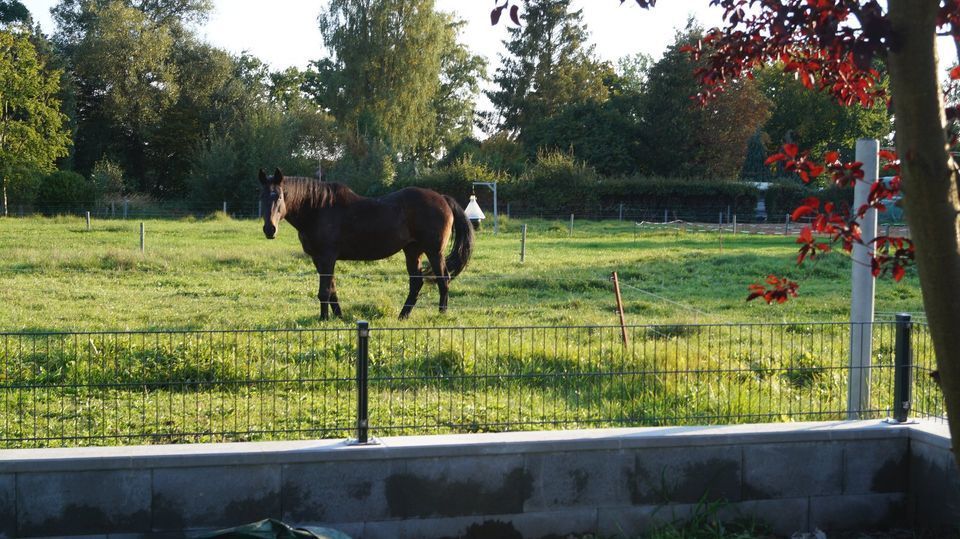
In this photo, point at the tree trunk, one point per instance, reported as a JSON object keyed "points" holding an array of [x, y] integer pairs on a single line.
{"points": [[930, 182]]}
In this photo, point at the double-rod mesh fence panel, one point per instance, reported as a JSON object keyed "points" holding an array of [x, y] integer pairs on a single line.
{"points": [[64, 389]]}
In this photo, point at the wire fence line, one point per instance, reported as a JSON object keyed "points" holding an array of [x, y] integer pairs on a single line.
{"points": [[96, 388]]}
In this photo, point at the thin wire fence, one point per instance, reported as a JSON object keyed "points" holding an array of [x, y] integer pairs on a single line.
{"points": [[107, 388]]}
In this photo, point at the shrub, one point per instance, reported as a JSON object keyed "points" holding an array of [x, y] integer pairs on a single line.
{"points": [[457, 179], [64, 191], [785, 196], [556, 181], [678, 193]]}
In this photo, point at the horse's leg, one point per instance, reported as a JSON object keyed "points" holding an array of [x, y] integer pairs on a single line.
{"points": [[325, 266], [334, 300], [416, 280], [443, 277]]}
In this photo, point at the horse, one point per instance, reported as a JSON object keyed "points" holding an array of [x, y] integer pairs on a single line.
{"points": [[334, 223]]}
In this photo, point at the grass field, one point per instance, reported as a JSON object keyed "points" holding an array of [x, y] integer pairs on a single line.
{"points": [[476, 368], [222, 274]]}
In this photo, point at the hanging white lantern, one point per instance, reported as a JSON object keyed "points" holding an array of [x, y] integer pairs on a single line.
{"points": [[473, 212]]}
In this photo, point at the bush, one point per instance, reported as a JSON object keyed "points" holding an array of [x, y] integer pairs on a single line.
{"points": [[65, 191], [457, 180], [556, 181], [659, 194], [785, 196]]}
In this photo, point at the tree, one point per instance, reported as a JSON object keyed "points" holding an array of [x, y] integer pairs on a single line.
{"points": [[13, 11], [32, 135], [396, 73], [684, 139], [549, 66], [813, 119], [831, 46]]}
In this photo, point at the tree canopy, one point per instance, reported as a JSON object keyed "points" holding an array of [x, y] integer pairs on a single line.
{"points": [[32, 134]]}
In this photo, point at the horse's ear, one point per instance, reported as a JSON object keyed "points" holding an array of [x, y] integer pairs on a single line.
{"points": [[277, 176], [263, 176]]}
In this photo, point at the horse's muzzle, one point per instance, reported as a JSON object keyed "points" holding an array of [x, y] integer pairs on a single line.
{"points": [[269, 231]]}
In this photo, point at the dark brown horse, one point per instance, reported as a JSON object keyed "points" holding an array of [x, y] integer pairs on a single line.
{"points": [[335, 223]]}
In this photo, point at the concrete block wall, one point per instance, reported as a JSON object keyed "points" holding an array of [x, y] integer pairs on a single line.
{"points": [[796, 477]]}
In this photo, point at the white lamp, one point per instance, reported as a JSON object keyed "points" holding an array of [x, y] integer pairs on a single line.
{"points": [[474, 213]]}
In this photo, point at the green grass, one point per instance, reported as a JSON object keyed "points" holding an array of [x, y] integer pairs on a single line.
{"points": [[222, 274], [188, 381]]}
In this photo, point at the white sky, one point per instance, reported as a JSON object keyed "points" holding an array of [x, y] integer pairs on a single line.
{"points": [[286, 33]]}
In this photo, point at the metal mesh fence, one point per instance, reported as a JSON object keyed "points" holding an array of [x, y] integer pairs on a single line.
{"points": [[175, 387]]}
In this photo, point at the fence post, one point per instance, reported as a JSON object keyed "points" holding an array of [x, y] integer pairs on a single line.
{"points": [[786, 226], [224, 206], [621, 211], [666, 216], [143, 235], [126, 205], [363, 343], [903, 369], [523, 243], [571, 225], [734, 224], [88, 221], [623, 323]]}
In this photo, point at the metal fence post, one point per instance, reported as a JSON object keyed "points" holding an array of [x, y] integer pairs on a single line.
{"points": [[363, 343], [523, 243], [903, 369]]}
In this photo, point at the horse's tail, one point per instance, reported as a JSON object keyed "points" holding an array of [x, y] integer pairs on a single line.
{"points": [[457, 260]]}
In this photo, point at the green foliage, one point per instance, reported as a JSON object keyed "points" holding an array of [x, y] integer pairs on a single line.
{"points": [[14, 12], [814, 120], [224, 169], [671, 193], [557, 180], [782, 197], [755, 168], [367, 167], [32, 134], [396, 73], [548, 66], [690, 141], [605, 135], [498, 152], [107, 178], [456, 179], [64, 191]]}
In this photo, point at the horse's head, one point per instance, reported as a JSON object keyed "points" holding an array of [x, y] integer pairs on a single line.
{"points": [[271, 200]]}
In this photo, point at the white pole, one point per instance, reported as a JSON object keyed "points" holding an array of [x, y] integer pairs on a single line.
{"points": [[862, 286], [143, 236]]}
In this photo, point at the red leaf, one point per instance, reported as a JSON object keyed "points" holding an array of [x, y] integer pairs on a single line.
{"points": [[775, 158], [955, 73], [495, 14], [831, 157], [791, 150], [800, 212], [898, 272]]}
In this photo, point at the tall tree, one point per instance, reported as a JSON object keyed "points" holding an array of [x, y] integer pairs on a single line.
{"points": [[549, 66], [396, 72], [122, 55], [684, 139], [814, 120], [32, 136]]}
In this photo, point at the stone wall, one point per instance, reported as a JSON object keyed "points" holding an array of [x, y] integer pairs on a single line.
{"points": [[796, 477]]}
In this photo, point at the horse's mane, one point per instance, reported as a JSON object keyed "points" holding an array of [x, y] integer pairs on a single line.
{"points": [[309, 193]]}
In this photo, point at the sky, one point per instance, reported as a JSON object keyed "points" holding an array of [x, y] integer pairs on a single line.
{"points": [[286, 34]]}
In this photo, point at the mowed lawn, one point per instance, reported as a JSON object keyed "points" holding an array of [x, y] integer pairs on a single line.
{"points": [[219, 273]]}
